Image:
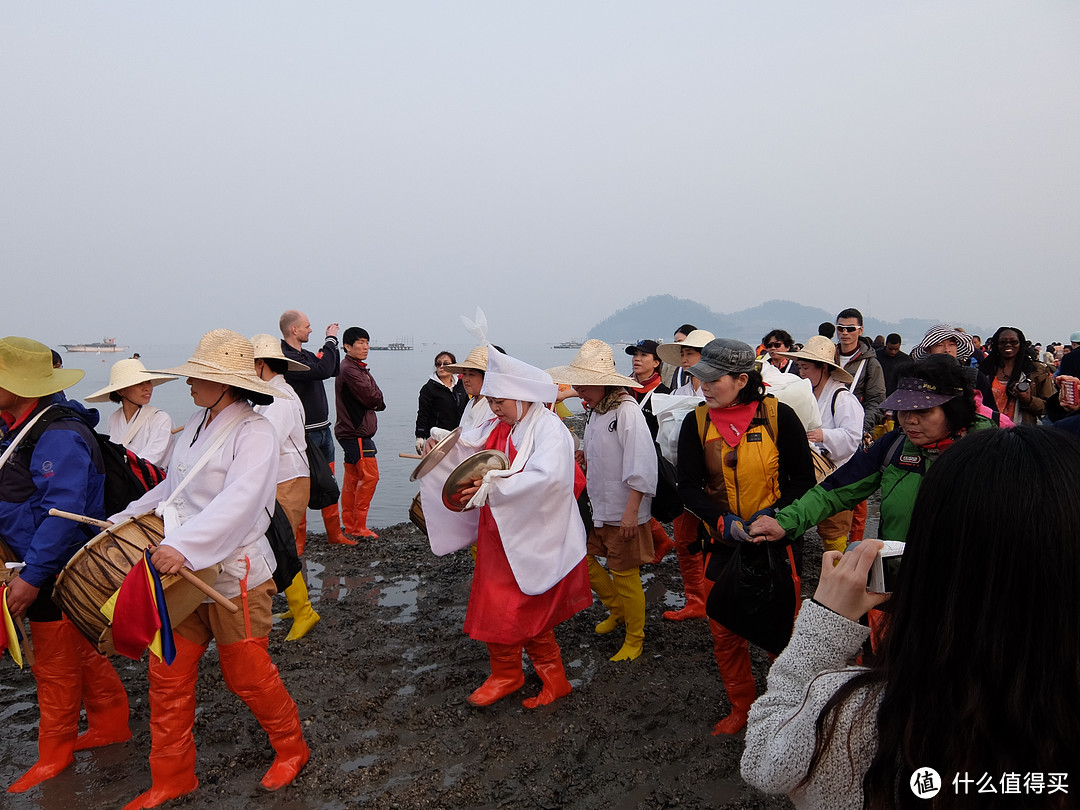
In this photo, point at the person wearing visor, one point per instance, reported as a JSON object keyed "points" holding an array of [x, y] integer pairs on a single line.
{"points": [[935, 407], [742, 454]]}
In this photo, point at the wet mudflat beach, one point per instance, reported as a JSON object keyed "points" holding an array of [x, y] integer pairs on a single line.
{"points": [[381, 684]]}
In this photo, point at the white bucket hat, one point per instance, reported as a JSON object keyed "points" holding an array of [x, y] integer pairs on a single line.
{"points": [[125, 373], [672, 352], [820, 350], [510, 378], [226, 357], [594, 364], [268, 347]]}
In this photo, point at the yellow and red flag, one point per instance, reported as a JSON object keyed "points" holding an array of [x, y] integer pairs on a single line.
{"points": [[9, 631], [139, 615]]}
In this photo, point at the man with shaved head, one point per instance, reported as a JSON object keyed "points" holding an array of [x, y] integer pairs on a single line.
{"points": [[310, 388]]}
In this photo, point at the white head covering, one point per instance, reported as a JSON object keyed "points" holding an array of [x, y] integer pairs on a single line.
{"points": [[510, 378]]}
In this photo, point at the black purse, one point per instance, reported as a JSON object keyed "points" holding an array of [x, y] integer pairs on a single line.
{"points": [[283, 543], [324, 487]]}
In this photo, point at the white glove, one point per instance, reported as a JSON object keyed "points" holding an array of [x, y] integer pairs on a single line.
{"points": [[420, 445]]}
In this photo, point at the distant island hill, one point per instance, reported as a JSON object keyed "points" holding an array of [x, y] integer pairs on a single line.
{"points": [[658, 316]]}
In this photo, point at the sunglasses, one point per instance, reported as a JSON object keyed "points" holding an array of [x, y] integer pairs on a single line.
{"points": [[774, 345], [447, 363], [840, 328]]}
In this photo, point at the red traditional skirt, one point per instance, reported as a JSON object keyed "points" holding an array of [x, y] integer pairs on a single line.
{"points": [[498, 611]]}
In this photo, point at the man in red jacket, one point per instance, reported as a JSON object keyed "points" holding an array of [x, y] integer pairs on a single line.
{"points": [[358, 398]]}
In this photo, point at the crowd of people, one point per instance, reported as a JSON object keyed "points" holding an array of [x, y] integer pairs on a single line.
{"points": [[765, 444]]}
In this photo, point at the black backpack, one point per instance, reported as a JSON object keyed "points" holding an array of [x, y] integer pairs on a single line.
{"points": [[127, 476]]}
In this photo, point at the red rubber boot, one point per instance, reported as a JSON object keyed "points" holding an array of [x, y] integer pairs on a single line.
{"points": [[105, 699], [732, 654], [58, 673], [172, 722], [691, 568], [546, 659], [506, 676], [252, 677], [662, 544]]}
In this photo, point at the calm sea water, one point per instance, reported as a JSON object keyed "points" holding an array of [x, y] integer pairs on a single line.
{"points": [[400, 376]]}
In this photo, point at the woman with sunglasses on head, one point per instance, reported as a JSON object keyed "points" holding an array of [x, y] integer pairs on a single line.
{"points": [[442, 400], [1021, 384], [741, 455]]}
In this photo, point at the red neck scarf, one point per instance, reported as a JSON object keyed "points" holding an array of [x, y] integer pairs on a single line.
{"points": [[646, 386], [934, 448], [731, 422]]}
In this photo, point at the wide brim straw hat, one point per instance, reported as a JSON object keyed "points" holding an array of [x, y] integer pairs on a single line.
{"points": [[593, 365], [965, 346], [226, 357], [510, 378], [268, 347], [820, 350], [26, 369], [125, 373], [672, 352], [477, 361]]}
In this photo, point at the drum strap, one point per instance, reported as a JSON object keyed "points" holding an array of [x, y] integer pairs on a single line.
{"points": [[22, 435]]}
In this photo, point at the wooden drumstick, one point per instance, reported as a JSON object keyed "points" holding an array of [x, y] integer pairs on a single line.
{"points": [[409, 455], [28, 646], [176, 430], [186, 573]]}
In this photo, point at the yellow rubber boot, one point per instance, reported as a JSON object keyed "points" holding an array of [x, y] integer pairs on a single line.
{"points": [[835, 544], [304, 616], [604, 588], [632, 596]]}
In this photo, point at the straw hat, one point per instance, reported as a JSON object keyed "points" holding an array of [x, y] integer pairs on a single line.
{"points": [[268, 347], [477, 361], [672, 352], [125, 373], [26, 369], [510, 378], [226, 357], [820, 350], [593, 365]]}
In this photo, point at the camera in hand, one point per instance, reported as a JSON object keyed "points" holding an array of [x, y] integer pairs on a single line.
{"points": [[885, 571]]}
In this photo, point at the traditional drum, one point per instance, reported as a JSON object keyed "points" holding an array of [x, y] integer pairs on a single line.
{"points": [[416, 515], [98, 569]]}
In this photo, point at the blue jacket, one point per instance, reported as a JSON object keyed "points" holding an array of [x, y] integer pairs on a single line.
{"points": [[63, 471]]}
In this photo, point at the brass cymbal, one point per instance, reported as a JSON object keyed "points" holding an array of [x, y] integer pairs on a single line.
{"points": [[468, 471], [435, 455]]}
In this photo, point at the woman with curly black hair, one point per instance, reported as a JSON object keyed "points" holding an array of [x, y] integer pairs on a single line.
{"points": [[1021, 384]]}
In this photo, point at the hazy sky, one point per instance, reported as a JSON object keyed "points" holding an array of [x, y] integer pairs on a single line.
{"points": [[170, 168]]}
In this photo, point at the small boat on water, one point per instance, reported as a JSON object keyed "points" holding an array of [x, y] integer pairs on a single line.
{"points": [[106, 345], [569, 344]]}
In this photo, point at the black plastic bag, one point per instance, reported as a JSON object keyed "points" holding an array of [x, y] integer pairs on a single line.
{"points": [[756, 595], [324, 487], [283, 543], [666, 504]]}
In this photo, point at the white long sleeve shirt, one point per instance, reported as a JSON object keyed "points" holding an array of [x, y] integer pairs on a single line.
{"points": [[286, 414], [153, 439], [842, 425], [225, 510], [620, 457]]}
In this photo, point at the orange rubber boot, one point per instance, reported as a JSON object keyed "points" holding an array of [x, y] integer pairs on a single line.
{"points": [[732, 654], [546, 659], [348, 498], [332, 518], [105, 699], [506, 676], [662, 544], [252, 677], [365, 490], [58, 673], [172, 720], [690, 566]]}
